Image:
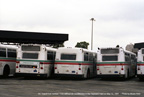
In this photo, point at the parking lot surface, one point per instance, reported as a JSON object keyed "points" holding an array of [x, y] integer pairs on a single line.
{"points": [[59, 87]]}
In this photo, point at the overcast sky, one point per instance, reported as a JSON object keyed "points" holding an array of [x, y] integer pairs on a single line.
{"points": [[117, 21]]}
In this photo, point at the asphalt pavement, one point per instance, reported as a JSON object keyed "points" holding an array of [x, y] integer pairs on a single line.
{"points": [[67, 87]]}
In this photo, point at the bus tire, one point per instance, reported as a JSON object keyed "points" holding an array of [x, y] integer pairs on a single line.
{"points": [[141, 78], [6, 71], [127, 75], [88, 74]]}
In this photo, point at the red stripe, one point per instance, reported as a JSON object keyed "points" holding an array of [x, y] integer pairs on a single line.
{"points": [[59, 63], [46, 62], [140, 64], [110, 64], [8, 60]]}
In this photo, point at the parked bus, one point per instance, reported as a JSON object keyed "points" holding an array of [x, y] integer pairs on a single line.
{"points": [[7, 60], [35, 60], [115, 62], [140, 64], [75, 62]]}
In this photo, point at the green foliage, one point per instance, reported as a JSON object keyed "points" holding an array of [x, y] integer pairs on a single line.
{"points": [[57, 45], [82, 44]]}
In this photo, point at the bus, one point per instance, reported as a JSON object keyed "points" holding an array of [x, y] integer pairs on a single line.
{"points": [[75, 62], [35, 60], [140, 64], [7, 60], [115, 62]]}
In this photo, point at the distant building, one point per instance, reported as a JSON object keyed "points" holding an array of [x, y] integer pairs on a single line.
{"points": [[138, 46], [134, 48], [130, 47]]}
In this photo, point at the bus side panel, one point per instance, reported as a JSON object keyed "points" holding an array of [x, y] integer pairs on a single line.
{"points": [[1, 69], [91, 69], [11, 65], [48, 69]]}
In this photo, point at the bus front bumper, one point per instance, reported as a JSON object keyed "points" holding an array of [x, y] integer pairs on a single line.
{"points": [[140, 75], [30, 75], [70, 75], [109, 76]]}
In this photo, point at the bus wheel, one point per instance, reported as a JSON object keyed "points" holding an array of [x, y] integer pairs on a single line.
{"points": [[126, 75], [141, 78], [6, 71], [88, 73]]}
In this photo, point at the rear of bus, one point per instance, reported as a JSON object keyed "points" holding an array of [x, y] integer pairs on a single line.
{"points": [[68, 62], [140, 64], [110, 62], [31, 61]]}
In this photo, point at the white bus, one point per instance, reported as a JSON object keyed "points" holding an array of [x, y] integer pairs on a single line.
{"points": [[115, 62], [140, 64], [35, 60], [75, 62], [7, 60]]}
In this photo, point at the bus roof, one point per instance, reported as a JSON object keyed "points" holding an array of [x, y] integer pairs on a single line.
{"points": [[129, 52], [78, 49], [111, 48], [51, 49], [8, 46]]}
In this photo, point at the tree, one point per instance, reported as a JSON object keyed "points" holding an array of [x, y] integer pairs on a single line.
{"points": [[82, 44], [57, 45]]}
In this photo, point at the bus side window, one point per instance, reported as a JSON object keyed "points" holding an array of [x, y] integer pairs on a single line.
{"points": [[133, 57], [127, 57], [90, 58], [11, 53], [50, 55], [95, 56], [54, 55], [2, 52], [85, 56]]}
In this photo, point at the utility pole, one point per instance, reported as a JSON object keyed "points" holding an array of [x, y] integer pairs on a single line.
{"points": [[92, 19]]}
